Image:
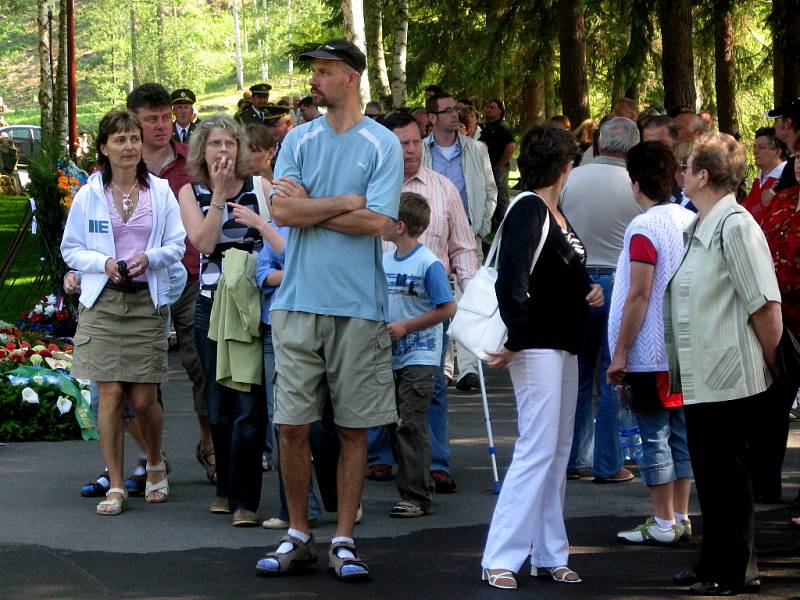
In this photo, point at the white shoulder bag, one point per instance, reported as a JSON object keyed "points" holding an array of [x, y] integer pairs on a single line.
{"points": [[477, 325]]}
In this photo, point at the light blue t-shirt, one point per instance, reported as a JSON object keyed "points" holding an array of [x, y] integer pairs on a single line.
{"points": [[326, 272], [417, 284]]}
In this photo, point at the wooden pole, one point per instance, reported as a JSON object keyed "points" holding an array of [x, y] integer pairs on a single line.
{"points": [[72, 80]]}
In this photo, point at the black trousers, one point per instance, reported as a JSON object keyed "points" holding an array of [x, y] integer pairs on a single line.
{"points": [[719, 435], [768, 444]]}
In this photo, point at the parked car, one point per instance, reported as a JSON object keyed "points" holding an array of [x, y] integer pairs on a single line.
{"points": [[27, 139]]}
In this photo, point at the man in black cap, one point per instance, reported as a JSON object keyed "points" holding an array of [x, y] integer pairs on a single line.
{"points": [[279, 120], [787, 130], [337, 185], [186, 122], [256, 112]]}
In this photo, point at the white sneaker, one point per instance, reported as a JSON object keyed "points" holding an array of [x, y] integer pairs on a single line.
{"points": [[685, 529], [649, 531]]}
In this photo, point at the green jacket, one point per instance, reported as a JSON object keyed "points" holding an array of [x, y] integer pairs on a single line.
{"points": [[236, 323]]}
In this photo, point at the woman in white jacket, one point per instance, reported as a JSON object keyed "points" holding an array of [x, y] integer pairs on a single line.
{"points": [[123, 232]]}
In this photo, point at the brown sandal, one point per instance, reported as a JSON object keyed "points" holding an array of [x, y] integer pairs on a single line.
{"points": [[202, 455]]}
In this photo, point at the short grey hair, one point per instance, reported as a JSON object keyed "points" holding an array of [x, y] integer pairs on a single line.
{"points": [[618, 135]]}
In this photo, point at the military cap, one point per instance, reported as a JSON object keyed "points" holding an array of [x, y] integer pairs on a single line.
{"points": [[273, 112], [339, 50], [183, 96], [260, 88]]}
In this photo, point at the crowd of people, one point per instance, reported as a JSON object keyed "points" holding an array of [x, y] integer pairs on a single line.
{"points": [[310, 263]]}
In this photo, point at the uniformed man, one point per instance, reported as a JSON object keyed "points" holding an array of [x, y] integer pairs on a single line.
{"points": [[186, 122], [255, 113], [279, 120]]}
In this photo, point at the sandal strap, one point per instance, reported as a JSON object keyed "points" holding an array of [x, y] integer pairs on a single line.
{"points": [[156, 468], [159, 486], [121, 491], [337, 563]]}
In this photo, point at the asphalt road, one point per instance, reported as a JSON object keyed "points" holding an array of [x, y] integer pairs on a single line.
{"points": [[52, 545]]}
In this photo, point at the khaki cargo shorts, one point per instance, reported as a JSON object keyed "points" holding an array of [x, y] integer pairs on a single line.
{"points": [[346, 357]]}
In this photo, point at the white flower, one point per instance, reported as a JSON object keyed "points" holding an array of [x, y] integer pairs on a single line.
{"points": [[38, 309], [87, 395], [38, 379], [51, 299], [83, 382], [63, 405], [49, 310], [29, 396]]}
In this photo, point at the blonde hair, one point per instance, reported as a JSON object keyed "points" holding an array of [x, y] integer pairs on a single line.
{"points": [[196, 161], [722, 157]]}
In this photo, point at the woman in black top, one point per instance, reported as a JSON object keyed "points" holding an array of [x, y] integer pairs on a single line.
{"points": [[544, 311]]}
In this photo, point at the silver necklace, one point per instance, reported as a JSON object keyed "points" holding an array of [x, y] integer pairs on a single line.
{"points": [[127, 203]]}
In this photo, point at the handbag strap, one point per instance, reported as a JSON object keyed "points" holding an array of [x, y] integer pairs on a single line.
{"points": [[258, 188], [493, 254]]}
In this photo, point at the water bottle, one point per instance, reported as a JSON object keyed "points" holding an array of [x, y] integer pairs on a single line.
{"points": [[630, 440]]}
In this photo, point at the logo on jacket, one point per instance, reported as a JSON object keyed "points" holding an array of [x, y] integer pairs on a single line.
{"points": [[96, 226]]}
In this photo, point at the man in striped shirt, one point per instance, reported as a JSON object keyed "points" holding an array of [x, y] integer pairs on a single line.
{"points": [[450, 237]]}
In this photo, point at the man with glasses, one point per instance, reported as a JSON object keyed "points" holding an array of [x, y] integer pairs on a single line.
{"points": [[466, 164], [787, 130]]}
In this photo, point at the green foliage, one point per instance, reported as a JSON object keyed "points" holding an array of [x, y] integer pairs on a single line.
{"points": [[42, 422]]}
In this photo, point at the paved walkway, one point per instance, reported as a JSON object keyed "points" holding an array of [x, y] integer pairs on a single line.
{"points": [[53, 546]]}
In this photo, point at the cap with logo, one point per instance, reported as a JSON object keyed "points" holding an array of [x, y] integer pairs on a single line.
{"points": [[183, 96], [339, 50], [790, 109], [260, 88]]}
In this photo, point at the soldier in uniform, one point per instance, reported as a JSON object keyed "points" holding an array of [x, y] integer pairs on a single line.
{"points": [[186, 122], [255, 113], [279, 120]]}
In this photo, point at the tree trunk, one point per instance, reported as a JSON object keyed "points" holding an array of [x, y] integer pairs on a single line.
{"points": [[353, 12], [160, 41], [260, 14], [135, 76], [399, 55], [620, 78], [725, 74], [532, 101], [677, 57], [288, 32], [638, 30], [572, 40], [45, 69], [785, 23], [373, 14], [549, 83], [237, 45], [60, 108]]}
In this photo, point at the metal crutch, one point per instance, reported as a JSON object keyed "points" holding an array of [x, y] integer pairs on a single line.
{"points": [[492, 451]]}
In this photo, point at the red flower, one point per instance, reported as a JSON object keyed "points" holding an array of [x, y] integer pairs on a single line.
{"points": [[62, 315], [44, 353], [11, 346], [52, 347], [29, 353], [36, 317], [24, 344]]}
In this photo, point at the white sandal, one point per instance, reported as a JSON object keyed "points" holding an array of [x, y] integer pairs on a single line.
{"points": [[562, 574], [117, 505], [501, 579], [158, 487]]}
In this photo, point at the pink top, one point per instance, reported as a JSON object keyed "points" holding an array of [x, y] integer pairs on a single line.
{"points": [[131, 238]]}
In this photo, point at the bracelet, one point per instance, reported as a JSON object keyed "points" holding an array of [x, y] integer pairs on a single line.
{"points": [[219, 205]]}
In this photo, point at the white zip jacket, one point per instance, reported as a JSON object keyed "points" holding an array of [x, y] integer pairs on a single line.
{"points": [[88, 240]]}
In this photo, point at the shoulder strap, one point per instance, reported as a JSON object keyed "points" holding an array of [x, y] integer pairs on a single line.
{"points": [[258, 188], [492, 256], [736, 211]]}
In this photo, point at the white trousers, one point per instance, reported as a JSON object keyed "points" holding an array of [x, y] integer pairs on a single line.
{"points": [[529, 516]]}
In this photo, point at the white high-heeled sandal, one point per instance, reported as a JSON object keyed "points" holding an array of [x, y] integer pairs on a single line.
{"points": [[502, 579], [560, 574]]}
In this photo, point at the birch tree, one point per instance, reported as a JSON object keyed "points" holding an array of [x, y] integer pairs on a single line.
{"points": [[237, 44], [60, 110], [353, 12], [373, 14], [45, 68], [399, 55]]}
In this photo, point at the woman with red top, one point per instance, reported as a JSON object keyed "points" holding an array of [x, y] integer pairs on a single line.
{"points": [[770, 155]]}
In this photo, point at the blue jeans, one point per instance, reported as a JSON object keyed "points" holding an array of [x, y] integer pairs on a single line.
{"points": [[605, 459], [237, 421], [269, 375], [664, 445], [379, 446]]}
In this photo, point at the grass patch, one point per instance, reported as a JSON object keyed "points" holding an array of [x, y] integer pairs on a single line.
{"points": [[20, 288]]}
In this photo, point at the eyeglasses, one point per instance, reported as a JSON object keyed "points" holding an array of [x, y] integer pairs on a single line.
{"points": [[449, 110], [683, 166]]}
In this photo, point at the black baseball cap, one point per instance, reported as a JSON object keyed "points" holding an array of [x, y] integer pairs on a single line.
{"points": [[790, 109], [183, 96], [339, 50]]}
